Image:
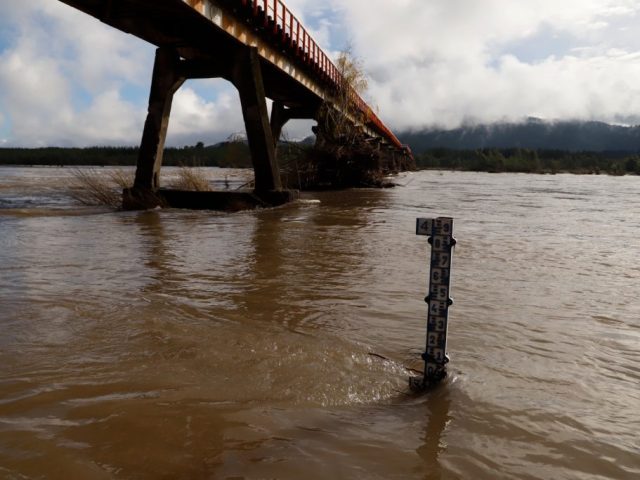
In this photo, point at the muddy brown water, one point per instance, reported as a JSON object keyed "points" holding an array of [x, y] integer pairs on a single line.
{"points": [[182, 344]]}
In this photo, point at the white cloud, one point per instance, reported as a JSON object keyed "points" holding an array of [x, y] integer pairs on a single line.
{"points": [[67, 79], [194, 119], [60, 78], [64, 79], [443, 62]]}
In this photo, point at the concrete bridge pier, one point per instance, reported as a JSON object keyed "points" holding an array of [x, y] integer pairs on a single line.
{"points": [[166, 80], [247, 77], [169, 73]]}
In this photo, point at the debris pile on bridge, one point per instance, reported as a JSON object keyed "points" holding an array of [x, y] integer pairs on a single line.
{"points": [[353, 164], [344, 156]]}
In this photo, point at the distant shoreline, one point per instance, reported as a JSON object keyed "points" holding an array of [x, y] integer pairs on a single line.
{"points": [[521, 160], [236, 155], [420, 169], [226, 154], [541, 172]]}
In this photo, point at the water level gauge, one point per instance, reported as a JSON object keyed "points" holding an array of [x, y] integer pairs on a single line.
{"points": [[440, 233]]}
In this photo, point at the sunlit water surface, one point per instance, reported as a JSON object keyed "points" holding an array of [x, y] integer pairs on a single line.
{"points": [[189, 344]]}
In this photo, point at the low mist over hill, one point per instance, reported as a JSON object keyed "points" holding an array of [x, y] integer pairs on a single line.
{"points": [[532, 134]]}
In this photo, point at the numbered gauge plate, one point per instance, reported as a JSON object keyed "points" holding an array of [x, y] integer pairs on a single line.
{"points": [[439, 293], [424, 226], [434, 226], [441, 260], [438, 324]]}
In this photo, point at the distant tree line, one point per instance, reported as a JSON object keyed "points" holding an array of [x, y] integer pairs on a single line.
{"points": [[529, 161], [237, 155], [226, 154]]}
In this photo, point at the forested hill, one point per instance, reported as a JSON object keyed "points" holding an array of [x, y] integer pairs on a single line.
{"points": [[533, 134]]}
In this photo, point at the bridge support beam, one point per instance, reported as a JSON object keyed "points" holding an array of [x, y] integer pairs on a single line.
{"points": [[278, 120], [248, 80], [165, 82], [280, 115]]}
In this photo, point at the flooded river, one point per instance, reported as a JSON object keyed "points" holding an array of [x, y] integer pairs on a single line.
{"points": [[197, 345]]}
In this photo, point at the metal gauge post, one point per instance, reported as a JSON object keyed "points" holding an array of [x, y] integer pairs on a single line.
{"points": [[440, 233]]}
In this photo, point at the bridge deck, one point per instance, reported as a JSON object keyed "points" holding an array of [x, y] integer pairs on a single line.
{"points": [[296, 72]]}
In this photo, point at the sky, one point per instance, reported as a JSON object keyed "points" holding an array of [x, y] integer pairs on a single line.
{"points": [[68, 80]]}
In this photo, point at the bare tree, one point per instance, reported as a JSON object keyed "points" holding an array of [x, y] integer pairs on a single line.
{"points": [[340, 119]]}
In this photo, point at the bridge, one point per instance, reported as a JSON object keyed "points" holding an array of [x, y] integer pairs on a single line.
{"points": [[262, 48]]}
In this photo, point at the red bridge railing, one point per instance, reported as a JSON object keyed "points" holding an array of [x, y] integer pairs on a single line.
{"points": [[285, 30]]}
